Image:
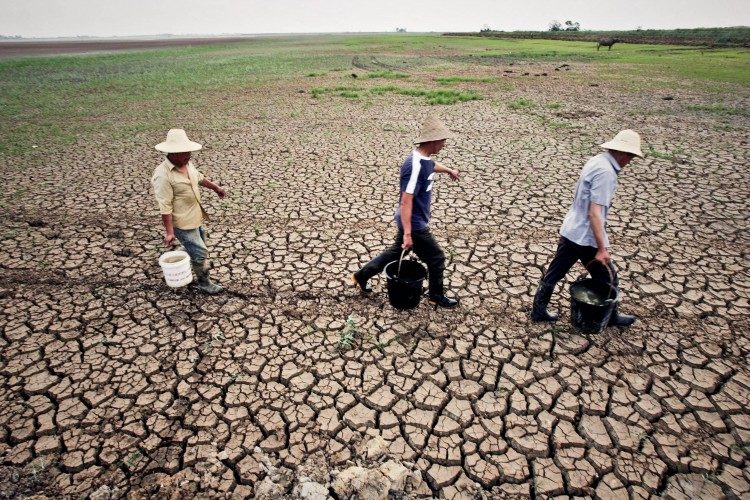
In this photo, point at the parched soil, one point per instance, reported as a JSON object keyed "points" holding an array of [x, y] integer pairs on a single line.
{"points": [[112, 384]]}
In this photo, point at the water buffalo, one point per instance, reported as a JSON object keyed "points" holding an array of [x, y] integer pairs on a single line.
{"points": [[607, 42]]}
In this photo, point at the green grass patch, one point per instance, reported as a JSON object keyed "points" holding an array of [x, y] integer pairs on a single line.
{"points": [[521, 103], [447, 80], [388, 74], [718, 109], [431, 96], [663, 155], [350, 94]]}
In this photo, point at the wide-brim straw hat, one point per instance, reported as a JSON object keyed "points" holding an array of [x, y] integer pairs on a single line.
{"points": [[433, 130], [177, 142], [626, 141]]}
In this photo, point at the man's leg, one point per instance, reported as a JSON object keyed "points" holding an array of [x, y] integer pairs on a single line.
{"points": [[376, 265], [566, 255], [600, 273], [194, 241], [427, 248]]}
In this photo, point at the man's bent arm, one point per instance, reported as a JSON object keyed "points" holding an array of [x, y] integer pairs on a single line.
{"points": [[213, 187], [597, 227], [407, 203], [442, 169]]}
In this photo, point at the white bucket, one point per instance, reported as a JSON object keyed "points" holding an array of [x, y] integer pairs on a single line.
{"points": [[176, 267]]}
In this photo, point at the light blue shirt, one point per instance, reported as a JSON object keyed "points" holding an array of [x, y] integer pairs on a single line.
{"points": [[597, 184]]}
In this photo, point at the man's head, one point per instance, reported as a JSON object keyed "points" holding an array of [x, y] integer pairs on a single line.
{"points": [[178, 147], [625, 146], [432, 136], [179, 159]]}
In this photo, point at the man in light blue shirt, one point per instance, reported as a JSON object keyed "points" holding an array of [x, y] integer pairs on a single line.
{"points": [[583, 235]]}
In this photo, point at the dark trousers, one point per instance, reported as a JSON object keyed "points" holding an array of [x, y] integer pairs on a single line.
{"points": [[568, 253], [426, 248]]}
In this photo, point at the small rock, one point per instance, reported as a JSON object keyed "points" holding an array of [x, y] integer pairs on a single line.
{"points": [[365, 484], [310, 489], [268, 490], [396, 473], [376, 448]]}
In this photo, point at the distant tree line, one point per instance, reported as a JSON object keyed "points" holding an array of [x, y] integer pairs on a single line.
{"points": [[569, 26], [738, 36]]}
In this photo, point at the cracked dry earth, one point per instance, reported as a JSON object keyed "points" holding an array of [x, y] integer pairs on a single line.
{"points": [[112, 385]]}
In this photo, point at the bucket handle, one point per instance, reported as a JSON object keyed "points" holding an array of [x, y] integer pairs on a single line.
{"points": [[403, 252], [611, 276]]}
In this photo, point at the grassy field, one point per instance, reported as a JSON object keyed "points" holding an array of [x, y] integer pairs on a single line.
{"points": [[55, 100]]}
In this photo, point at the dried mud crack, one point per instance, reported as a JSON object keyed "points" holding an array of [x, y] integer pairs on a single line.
{"points": [[113, 385]]}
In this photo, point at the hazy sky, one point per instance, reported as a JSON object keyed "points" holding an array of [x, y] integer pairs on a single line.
{"points": [[42, 18]]}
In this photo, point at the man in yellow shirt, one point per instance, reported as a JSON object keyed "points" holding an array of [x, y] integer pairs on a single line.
{"points": [[175, 184]]}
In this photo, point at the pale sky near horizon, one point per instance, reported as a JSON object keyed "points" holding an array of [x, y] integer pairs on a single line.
{"points": [[66, 18]]}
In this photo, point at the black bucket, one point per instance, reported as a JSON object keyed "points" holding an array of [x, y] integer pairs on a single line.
{"points": [[404, 284], [592, 315]]}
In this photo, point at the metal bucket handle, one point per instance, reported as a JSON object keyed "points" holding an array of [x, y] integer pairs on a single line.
{"points": [[403, 252], [611, 276]]}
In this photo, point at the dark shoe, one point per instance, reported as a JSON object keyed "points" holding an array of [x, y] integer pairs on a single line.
{"points": [[363, 286], [541, 299], [618, 319], [443, 301]]}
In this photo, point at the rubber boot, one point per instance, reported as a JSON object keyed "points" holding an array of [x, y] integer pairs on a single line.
{"points": [[363, 286], [204, 283], [541, 299], [618, 319]]}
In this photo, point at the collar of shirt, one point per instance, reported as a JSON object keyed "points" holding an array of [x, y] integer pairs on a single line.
{"points": [[613, 162], [420, 156]]}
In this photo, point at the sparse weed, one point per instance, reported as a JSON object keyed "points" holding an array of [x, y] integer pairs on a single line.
{"points": [[521, 103], [663, 155], [387, 74], [431, 96], [743, 448], [447, 80], [348, 334], [348, 94], [719, 109]]}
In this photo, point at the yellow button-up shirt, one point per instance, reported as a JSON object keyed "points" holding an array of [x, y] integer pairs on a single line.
{"points": [[179, 195]]}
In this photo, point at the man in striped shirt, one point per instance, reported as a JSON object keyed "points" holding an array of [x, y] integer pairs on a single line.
{"points": [[412, 216]]}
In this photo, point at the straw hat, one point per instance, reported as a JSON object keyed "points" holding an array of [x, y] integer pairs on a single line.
{"points": [[433, 130], [626, 141], [177, 142]]}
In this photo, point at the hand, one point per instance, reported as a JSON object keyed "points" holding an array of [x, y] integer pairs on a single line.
{"points": [[602, 255], [221, 191], [169, 240], [454, 174], [408, 243]]}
